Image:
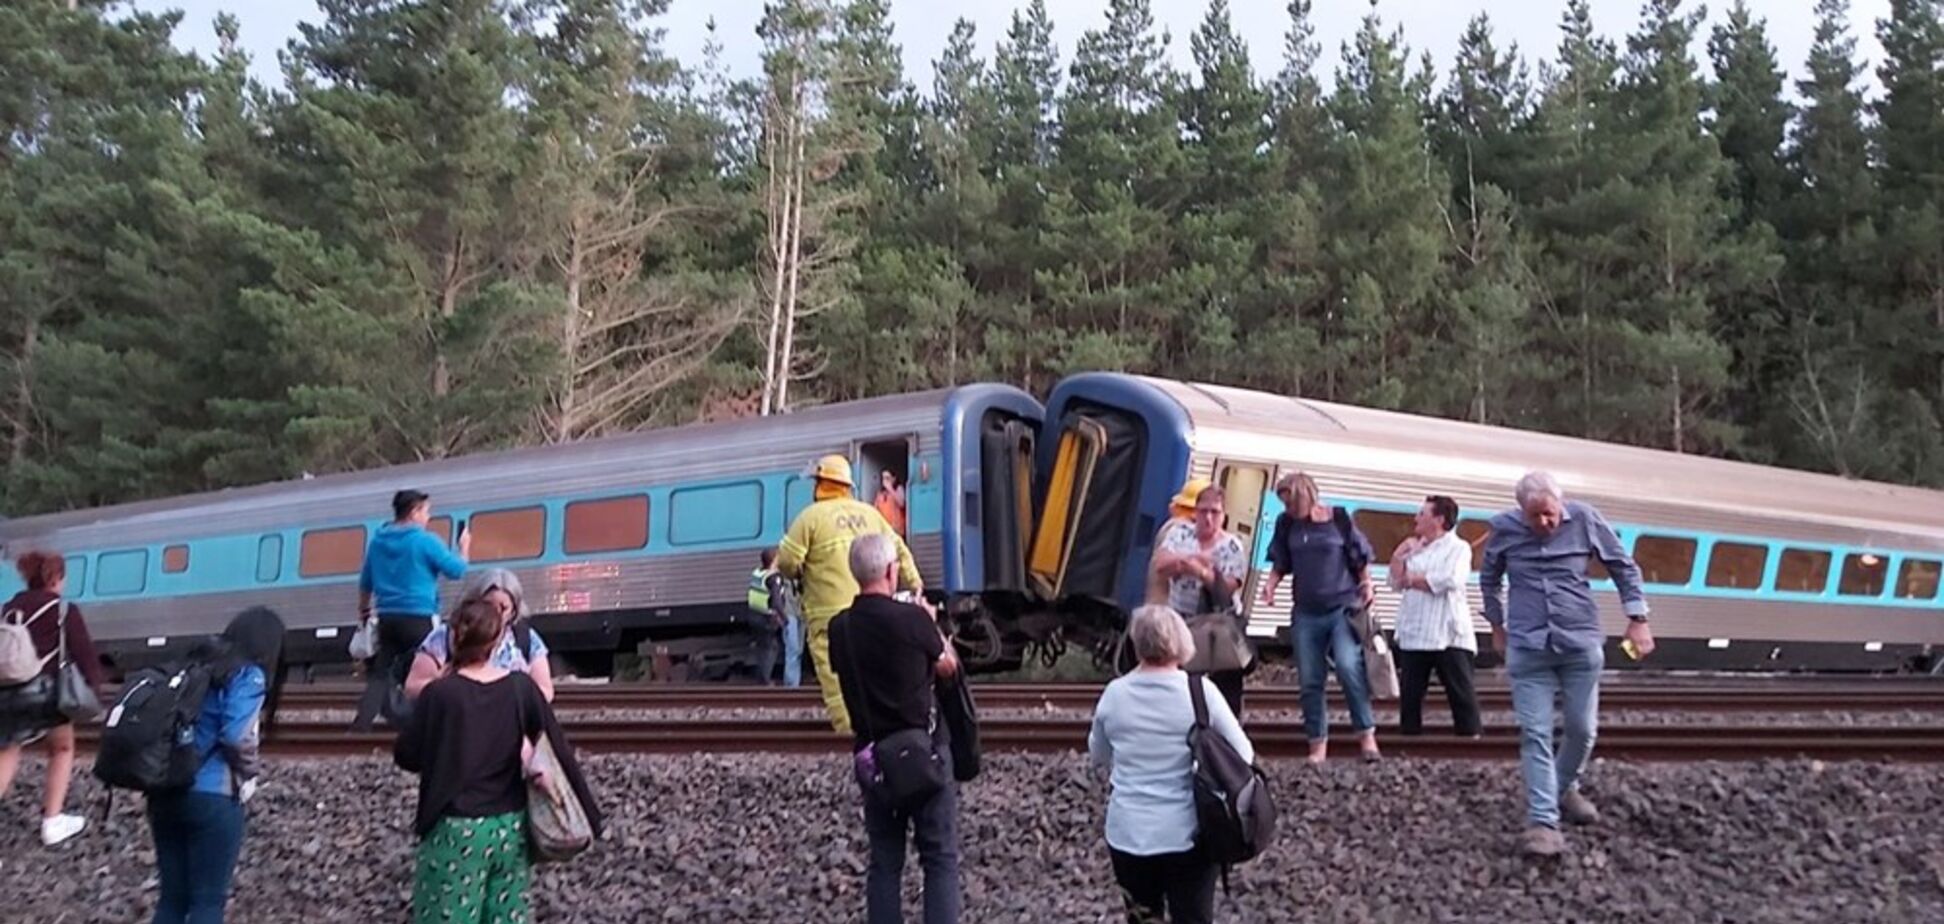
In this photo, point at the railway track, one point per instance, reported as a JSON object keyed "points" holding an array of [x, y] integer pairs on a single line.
{"points": [[1272, 739], [1853, 696]]}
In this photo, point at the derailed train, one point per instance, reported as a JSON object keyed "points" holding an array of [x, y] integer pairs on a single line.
{"points": [[1034, 523]]}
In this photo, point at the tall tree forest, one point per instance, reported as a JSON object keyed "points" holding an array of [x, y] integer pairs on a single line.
{"points": [[462, 225]]}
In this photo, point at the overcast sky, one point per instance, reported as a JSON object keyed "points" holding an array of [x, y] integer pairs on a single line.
{"points": [[923, 25]]}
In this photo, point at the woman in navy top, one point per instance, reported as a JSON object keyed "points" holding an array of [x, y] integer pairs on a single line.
{"points": [[199, 831]]}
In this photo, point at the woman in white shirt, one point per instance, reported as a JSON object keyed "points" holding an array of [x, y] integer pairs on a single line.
{"points": [[1140, 733], [1434, 624]]}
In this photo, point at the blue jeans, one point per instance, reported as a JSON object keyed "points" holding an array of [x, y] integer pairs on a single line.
{"points": [[934, 826], [1326, 636], [793, 652], [1537, 677], [197, 838]]}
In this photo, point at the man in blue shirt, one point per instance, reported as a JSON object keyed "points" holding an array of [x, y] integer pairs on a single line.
{"points": [[399, 587], [1551, 638]]}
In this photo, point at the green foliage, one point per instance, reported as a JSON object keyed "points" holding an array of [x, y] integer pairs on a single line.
{"points": [[456, 225]]}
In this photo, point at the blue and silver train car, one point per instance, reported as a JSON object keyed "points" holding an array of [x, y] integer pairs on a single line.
{"points": [[1746, 566], [617, 540]]}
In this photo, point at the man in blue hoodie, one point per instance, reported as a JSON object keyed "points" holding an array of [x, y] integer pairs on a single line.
{"points": [[399, 587]]}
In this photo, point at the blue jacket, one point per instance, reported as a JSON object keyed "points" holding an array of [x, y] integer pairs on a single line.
{"points": [[402, 569], [227, 733]]}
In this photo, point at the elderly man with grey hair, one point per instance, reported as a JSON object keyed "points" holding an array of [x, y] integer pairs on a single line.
{"points": [[1553, 643], [886, 654], [1140, 734]]}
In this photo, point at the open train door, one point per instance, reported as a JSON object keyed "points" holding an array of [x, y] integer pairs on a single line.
{"points": [[1245, 488], [991, 441]]}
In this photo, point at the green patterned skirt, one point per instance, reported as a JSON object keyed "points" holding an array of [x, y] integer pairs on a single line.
{"points": [[472, 871]]}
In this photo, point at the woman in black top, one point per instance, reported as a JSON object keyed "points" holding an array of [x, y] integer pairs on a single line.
{"points": [[469, 739]]}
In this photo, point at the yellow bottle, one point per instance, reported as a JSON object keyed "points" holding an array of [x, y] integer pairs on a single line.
{"points": [[1633, 651]]}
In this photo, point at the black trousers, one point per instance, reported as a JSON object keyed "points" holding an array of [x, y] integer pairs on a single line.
{"points": [[1230, 683], [398, 642], [1454, 670], [1178, 888]]}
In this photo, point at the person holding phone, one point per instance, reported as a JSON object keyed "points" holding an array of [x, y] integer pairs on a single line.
{"points": [[399, 587]]}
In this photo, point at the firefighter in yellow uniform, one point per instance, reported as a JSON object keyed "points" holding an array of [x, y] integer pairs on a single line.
{"points": [[816, 553]]}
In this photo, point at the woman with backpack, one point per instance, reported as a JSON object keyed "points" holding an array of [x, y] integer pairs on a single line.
{"points": [[1140, 734], [470, 738], [49, 621], [519, 649], [1327, 558], [199, 831]]}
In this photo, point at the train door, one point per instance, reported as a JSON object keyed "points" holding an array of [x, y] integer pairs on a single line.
{"points": [[1088, 504], [882, 469], [1244, 486], [1005, 503]]}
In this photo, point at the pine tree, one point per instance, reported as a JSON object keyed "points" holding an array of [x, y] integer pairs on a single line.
{"points": [[1383, 223], [1016, 148], [1910, 130], [1281, 346]]}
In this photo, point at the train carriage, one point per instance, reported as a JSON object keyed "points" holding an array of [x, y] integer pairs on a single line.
{"points": [[1745, 566], [617, 540]]}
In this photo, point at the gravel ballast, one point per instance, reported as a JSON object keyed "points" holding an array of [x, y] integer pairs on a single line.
{"points": [[762, 838]]}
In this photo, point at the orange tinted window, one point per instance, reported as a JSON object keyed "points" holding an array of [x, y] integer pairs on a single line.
{"points": [[325, 552], [614, 524], [1664, 559], [506, 535], [442, 528], [175, 559], [1802, 571], [1384, 530], [1863, 574], [1917, 579], [1475, 532], [1737, 564]]}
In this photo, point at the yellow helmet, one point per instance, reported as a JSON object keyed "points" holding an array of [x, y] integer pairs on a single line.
{"points": [[834, 468], [1185, 501]]}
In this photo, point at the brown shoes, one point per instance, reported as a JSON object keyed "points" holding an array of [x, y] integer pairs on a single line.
{"points": [[1577, 809], [1542, 842]]}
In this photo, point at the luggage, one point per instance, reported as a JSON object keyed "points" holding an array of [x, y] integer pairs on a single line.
{"points": [[148, 742], [1235, 814]]}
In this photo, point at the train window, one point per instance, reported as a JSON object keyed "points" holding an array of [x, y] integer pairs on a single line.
{"points": [[614, 524], [796, 496], [1918, 578], [508, 535], [1385, 530], [1664, 559], [1475, 533], [326, 552], [1803, 571], [269, 559], [1596, 569], [719, 513], [77, 573], [1863, 575], [175, 559], [1737, 564], [124, 572], [442, 528]]}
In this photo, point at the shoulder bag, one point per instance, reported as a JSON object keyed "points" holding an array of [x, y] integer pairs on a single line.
{"points": [[76, 698], [557, 826], [1380, 665], [903, 767]]}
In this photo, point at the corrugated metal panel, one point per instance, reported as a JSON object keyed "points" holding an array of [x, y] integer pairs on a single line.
{"points": [[622, 462], [1698, 618]]}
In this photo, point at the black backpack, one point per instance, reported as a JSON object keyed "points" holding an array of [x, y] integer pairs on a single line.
{"points": [[148, 740], [1236, 815]]}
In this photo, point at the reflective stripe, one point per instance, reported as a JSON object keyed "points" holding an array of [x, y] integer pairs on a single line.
{"points": [[759, 591]]}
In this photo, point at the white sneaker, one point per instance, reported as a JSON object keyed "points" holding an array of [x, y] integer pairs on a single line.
{"points": [[61, 827]]}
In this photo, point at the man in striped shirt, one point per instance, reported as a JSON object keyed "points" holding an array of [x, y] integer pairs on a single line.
{"points": [[1434, 626]]}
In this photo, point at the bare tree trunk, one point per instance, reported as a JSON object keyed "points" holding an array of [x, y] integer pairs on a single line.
{"points": [[574, 274], [790, 302], [779, 235], [1680, 442], [448, 306]]}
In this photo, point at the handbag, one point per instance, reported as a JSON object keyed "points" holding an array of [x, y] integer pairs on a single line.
{"points": [[960, 716], [903, 767], [364, 640], [557, 827], [74, 696], [1220, 644], [1380, 664]]}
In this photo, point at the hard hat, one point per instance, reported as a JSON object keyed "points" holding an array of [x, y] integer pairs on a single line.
{"points": [[1190, 491], [834, 468]]}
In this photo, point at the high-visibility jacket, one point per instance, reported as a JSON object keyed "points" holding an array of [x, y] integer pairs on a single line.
{"points": [[759, 595], [816, 552]]}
